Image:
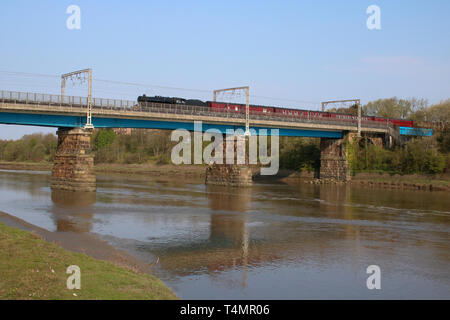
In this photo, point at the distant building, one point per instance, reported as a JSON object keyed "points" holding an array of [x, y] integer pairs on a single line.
{"points": [[123, 131], [129, 131]]}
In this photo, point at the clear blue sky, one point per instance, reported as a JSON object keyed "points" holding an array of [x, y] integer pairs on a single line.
{"points": [[303, 50]]}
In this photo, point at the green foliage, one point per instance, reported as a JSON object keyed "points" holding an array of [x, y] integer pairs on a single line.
{"points": [[104, 138], [444, 139], [35, 147], [389, 108], [140, 146], [353, 110], [419, 156], [437, 113], [299, 154]]}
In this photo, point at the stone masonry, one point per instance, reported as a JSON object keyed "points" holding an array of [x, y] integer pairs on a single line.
{"points": [[333, 160], [230, 174], [73, 167]]}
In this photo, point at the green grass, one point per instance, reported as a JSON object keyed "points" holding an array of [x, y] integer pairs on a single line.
{"points": [[31, 268]]}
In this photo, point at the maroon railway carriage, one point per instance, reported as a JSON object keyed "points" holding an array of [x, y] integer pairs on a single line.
{"points": [[238, 107], [395, 122], [402, 123], [298, 113]]}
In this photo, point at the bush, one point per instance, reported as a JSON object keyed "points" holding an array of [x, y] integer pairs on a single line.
{"points": [[420, 155], [104, 138], [299, 154], [35, 147]]}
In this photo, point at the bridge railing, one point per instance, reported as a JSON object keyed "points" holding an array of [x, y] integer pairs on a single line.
{"points": [[55, 100], [128, 105]]}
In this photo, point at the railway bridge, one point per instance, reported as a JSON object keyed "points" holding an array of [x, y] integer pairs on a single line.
{"points": [[73, 165]]}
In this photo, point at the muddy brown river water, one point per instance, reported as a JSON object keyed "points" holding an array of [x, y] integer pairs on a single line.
{"points": [[271, 241]]}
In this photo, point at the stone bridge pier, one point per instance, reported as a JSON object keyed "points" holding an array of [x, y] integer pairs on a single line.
{"points": [[333, 159], [231, 172], [229, 175], [73, 167]]}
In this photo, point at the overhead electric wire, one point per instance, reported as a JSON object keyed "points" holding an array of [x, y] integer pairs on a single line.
{"points": [[154, 86], [31, 76]]}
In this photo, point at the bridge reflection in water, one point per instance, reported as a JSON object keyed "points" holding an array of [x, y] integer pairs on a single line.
{"points": [[72, 211], [230, 229]]}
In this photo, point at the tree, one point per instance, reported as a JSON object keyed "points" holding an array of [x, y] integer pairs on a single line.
{"points": [[444, 139], [439, 112], [104, 138], [390, 108]]}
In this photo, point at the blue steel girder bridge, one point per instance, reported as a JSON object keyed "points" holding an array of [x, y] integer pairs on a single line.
{"points": [[37, 109], [73, 167]]}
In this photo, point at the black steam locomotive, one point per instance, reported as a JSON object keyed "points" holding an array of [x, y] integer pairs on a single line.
{"points": [[172, 100]]}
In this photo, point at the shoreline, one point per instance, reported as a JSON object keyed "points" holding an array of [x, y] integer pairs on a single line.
{"points": [[363, 179], [83, 243], [383, 181]]}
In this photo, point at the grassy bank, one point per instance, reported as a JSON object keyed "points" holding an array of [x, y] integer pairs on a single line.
{"points": [[32, 268]]}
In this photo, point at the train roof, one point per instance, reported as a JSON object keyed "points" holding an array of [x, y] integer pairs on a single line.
{"points": [[241, 104]]}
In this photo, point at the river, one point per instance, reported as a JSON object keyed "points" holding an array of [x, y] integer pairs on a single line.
{"points": [[270, 241]]}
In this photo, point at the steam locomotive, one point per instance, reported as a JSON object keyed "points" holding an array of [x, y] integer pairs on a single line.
{"points": [[172, 100]]}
